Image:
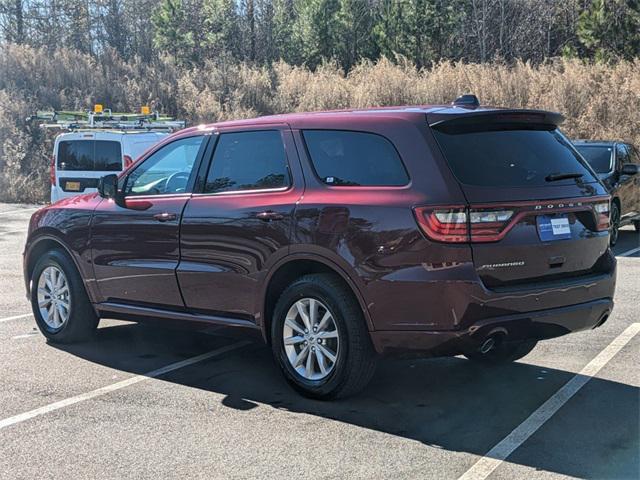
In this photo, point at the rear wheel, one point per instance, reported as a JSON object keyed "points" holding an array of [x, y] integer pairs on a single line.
{"points": [[636, 225], [320, 340], [59, 301], [503, 352], [615, 224]]}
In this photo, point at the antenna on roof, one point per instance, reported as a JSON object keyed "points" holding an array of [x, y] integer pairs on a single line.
{"points": [[466, 101]]}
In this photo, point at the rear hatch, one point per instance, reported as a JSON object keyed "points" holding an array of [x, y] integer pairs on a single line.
{"points": [[535, 212]]}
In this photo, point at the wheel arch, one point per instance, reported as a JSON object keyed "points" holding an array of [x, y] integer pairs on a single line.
{"points": [[293, 267], [40, 246], [616, 200]]}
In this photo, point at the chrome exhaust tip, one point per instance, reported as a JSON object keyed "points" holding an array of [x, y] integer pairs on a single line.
{"points": [[487, 345]]}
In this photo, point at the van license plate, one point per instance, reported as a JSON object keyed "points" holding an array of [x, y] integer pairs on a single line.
{"points": [[553, 227], [72, 186]]}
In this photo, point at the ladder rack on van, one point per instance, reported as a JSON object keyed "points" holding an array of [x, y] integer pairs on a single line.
{"points": [[100, 119]]}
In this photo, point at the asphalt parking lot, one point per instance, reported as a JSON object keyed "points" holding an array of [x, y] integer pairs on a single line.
{"points": [[220, 409]]}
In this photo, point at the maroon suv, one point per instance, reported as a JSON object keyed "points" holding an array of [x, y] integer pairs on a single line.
{"points": [[337, 236]]}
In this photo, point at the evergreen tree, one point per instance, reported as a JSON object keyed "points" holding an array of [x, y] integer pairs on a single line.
{"points": [[610, 29], [319, 28], [222, 28], [171, 31], [357, 19]]}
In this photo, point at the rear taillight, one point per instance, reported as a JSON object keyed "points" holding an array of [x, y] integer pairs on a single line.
{"points": [[491, 223], [127, 160], [444, 224], [488, 225], [460, 224], [602, 211], [52, 170]]}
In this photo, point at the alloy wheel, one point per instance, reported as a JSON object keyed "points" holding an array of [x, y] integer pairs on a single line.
{"points": [[54, 301], [311, 340]]}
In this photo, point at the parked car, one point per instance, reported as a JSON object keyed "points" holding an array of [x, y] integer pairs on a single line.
{"points": [[339, 236], [617, 165], [80, 158]]}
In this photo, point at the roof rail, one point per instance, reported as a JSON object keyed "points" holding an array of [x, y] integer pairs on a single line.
{"points": [[104, 119]]}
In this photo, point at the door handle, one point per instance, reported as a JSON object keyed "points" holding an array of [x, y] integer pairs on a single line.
{"points": [[269, 216], [165, 216]]}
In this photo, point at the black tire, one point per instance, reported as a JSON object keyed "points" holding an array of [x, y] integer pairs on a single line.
{"points": [[636, 225], [615, 224], [356, 359], [82, 320], [503, 353]]}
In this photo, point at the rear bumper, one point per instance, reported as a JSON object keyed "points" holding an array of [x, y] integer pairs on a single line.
{"points": [[538, 325]]}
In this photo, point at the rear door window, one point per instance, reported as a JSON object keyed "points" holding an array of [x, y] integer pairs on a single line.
{"points": [[598, 156], [89, 155], [509, 157], [248, 161], [346, 158]]}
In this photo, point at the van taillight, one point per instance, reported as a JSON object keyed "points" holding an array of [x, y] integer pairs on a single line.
{"points": [[460, 224], [52, 170], [127, 160]]}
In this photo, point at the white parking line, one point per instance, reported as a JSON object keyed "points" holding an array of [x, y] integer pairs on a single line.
{"points": [[494, 457], [628, 253], [15, 317], [117, 386]]}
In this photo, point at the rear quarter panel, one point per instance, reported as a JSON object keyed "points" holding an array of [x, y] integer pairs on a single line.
{"points": [[371, 233]]}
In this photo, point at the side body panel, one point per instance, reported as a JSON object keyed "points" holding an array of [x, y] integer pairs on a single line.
{"points": [[372, 234], [68, 223], [227, 249], [135, 255]]}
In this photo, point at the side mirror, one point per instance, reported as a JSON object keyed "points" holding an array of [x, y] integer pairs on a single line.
{"points": [[630, 169], [108, 186]]}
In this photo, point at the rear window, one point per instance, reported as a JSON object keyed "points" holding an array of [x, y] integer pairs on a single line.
{"points": [[354, 158], [599, 157], [89, 155], [509, 157]]}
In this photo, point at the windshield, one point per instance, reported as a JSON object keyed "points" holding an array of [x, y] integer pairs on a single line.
{"points": [[510, 156], [598, 156]]}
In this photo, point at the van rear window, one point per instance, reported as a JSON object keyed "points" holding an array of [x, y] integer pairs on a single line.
{"points": [[89, 155], [509, 157]]}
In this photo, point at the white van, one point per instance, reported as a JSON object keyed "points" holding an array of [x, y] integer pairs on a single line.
{"points": [[80, 158]]}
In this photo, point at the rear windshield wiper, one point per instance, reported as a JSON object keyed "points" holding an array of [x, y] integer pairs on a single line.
{"points": [[562, 176]]}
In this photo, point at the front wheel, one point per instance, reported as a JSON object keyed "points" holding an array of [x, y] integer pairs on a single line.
{"points": [[320, 340], [59, 301]]}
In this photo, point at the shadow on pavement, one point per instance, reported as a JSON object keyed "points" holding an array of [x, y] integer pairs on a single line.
{"points": [[447, 403], [628, 239]]}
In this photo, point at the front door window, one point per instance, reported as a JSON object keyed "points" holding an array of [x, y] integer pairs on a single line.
{"points": [[167, 171]]}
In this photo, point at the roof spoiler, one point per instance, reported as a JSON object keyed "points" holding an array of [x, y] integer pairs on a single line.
{"points": [[495, 117]]}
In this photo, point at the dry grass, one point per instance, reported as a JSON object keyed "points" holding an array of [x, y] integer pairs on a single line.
{"points": [[599, 100]]}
